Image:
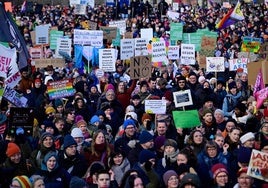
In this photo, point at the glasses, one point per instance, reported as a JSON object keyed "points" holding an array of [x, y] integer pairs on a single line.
{"points": [[211, 149], [130, 128]]}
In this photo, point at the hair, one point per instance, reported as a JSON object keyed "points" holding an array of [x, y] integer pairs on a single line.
{"points": [[211, 144], [189, 154], [113, 155], [35, 178], [93, 150], [190, 140], [102, 171], [130, 182], [126, 176]]}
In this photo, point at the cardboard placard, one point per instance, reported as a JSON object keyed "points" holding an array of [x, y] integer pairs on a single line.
{"points": [[140, 67], [56, 62], [109, 33]]}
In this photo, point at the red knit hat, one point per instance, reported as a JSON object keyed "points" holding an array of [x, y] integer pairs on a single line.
{"points": [[265, 112], [218, 168], [12, 149], [146, 116]]}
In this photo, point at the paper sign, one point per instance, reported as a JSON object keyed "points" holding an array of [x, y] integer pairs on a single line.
{"points": [[182, 98], [80, 9], [173, 52], [36, 52], [127, 48], [215, 64], [140, 67], [8, 6], [141, 46], [175, 6], [107, 58], [147, 33], [173, 15], [186, 119], [63, 45], [41, 34], [159, 52], [109, 33], [120, 24], [60, 89], [155, 106], [258, 165], [187, 54], [88, 37], [251, 44], [7, 58], [234, 64], [14, 97], [54, 35], [176, 31]]}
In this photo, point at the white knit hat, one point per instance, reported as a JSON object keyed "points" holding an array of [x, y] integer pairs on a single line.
{"points": [[246, 137], [77, 133]]}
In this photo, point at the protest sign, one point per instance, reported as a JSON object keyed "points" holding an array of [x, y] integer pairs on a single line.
{"points": [[88, 37], [215, 64], [60, 89], [193, 38], [36, 52], [107, 58], [8, 6], [109, 33], [41, 34], [80, 9], [141, 46], [147, 33], [13, 75], [74, 2], [186, 119], [251, 44], [175, 6], [63, 45], [208, 46], [120, 24], [7, 58], [54, 35], [176, 30], [234, 64], [56, 62], [127, 48], [182, 98], [173, 52], [140, 67], [187, 54], [116, 41], [258, 165], [155, 106], [14, 97], [159, 52]]}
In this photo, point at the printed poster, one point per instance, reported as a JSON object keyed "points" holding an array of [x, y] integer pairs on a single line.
{"points": [[215, 64], [60, 89], [258, 165]]}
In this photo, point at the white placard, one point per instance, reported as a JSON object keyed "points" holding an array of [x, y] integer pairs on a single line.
{"points": [[41, 34], [141, 46], [159, 52], [88, 37], [7, 59], [155, 106], [187, 54], [107, 58], [173, 52], [147, 33], [120, 24], [182, 98], [175, 6], [80, 9], [127, 48], [234, 64], [14, 97], [173, 15], [74, 2], [215, 64], [63, 45], [36, 53]]}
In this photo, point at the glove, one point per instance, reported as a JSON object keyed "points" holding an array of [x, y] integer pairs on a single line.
{"points": [[148, 166], [132, 143], [167, 161], [148, 125]]}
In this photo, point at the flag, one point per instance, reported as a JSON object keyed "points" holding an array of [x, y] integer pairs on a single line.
{"points": [[23, 7], [237, 14], [261, 96], [78, 53], [259, 84], [11, 34]]}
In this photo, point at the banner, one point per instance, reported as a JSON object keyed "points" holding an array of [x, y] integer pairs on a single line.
{"points": [[147, 33], [41, 34], [186, 119], [173, 52], [215, 64], [141, 46], [187, 54], [107, 59], [234, 64], [88, 37], [127, 48], [56, 62], [259, 84], [159, 52], [258, 165], [7, 59], [261, 95], [63, 45], [60, 89], [140, 67], [54, 35], [14, 97], [121, 24], [176, 30], [155, 106], [22, 117]]}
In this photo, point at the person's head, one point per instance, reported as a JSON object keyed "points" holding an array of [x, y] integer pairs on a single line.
{"points": [[50, 161], [170, 146], [134, 181], [136, 99], [211, 148], [47, 140], [121, 87], [129, 127], [70, 114], [219, 115], [103, 179], [208, 116], [70, 145], [146, 140], [264, 127], [37, 181], [152, 83], [13, 152], [143, 86], [232, 87], [230, 123], [248, 140], [181, 81], [192, 78], [196, 137], [146, 156], [161, 127], [77, 182], [244, 180], [220, 174], [190, 180], [219, 139], [98, 137], [171, 179], [21, 182], [234, 134], [146, 119], [59, 124], [77, 135]]}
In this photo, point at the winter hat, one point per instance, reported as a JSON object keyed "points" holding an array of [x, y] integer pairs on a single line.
{"points": [[105, 106], [219, 111], [24, 181], [78, 118], [128, 122], [109, 87], [12, 149], [171, 142], [201, 79], [19, 131], [217, 168], [50, 110], [168, 96], [241, 106], [77, 133], [135, 97], [146, 116], [47, 157], [265, 112], [206, 111], [208, 98], [94, 119], [81, 122], [232, 85], [95, 167], [168, 175], [46, 134], [180, 78], [48, 78], [243, 154], [48, 123], [146, 155], [145, 136], [190, 178], [133, 115], [130, 108], [247, 137], [58, 102], [182, 168], [242, 170], [77, 182], [68, 141], [159, 142]]}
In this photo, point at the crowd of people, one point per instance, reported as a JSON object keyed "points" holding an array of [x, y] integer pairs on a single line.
{"points": [[103, 137]]}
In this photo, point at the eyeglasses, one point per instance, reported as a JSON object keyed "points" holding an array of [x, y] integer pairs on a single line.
{"points": [[130, 128]]}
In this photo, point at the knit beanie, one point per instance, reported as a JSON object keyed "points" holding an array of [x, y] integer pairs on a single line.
{"points": [[95, 167], [94, 119], [77, 133], [146, 116], [168, 175], [128, 122], [171, 142], [168, 96], [47, 157], [81, 122], [77, 182], [146, 155], [12, 149], [68, 141], [145, 136], [247, 137], [132, 115], [232, 85], [50, 110], [58, 102], [24, 181], [190, 178], [218, 168], [159, 142], [46, 134]]}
